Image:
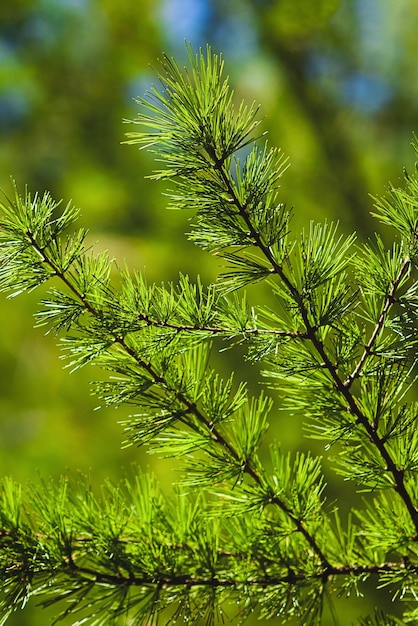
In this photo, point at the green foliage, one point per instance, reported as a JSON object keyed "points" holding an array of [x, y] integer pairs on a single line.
{"points": [[243, 534]]}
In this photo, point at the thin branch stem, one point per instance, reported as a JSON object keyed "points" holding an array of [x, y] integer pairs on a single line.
{"points": [[217, 330], [389, 301], [186, 580], [61, 275]]}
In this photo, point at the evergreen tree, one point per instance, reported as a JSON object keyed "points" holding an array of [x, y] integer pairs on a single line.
{"points": [[337, 339]]}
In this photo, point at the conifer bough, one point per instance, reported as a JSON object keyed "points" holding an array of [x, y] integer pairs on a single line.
{"points": [[244, 534]]}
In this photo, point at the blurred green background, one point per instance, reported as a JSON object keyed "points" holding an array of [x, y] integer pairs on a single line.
{"points": [[338, 85]]}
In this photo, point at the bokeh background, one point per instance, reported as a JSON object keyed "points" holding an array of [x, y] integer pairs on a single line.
{"points": [[338, 85]]}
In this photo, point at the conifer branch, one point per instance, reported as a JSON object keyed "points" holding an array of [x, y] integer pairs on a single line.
{"points": [[311, 333], [361, 418], [189, 406]]}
